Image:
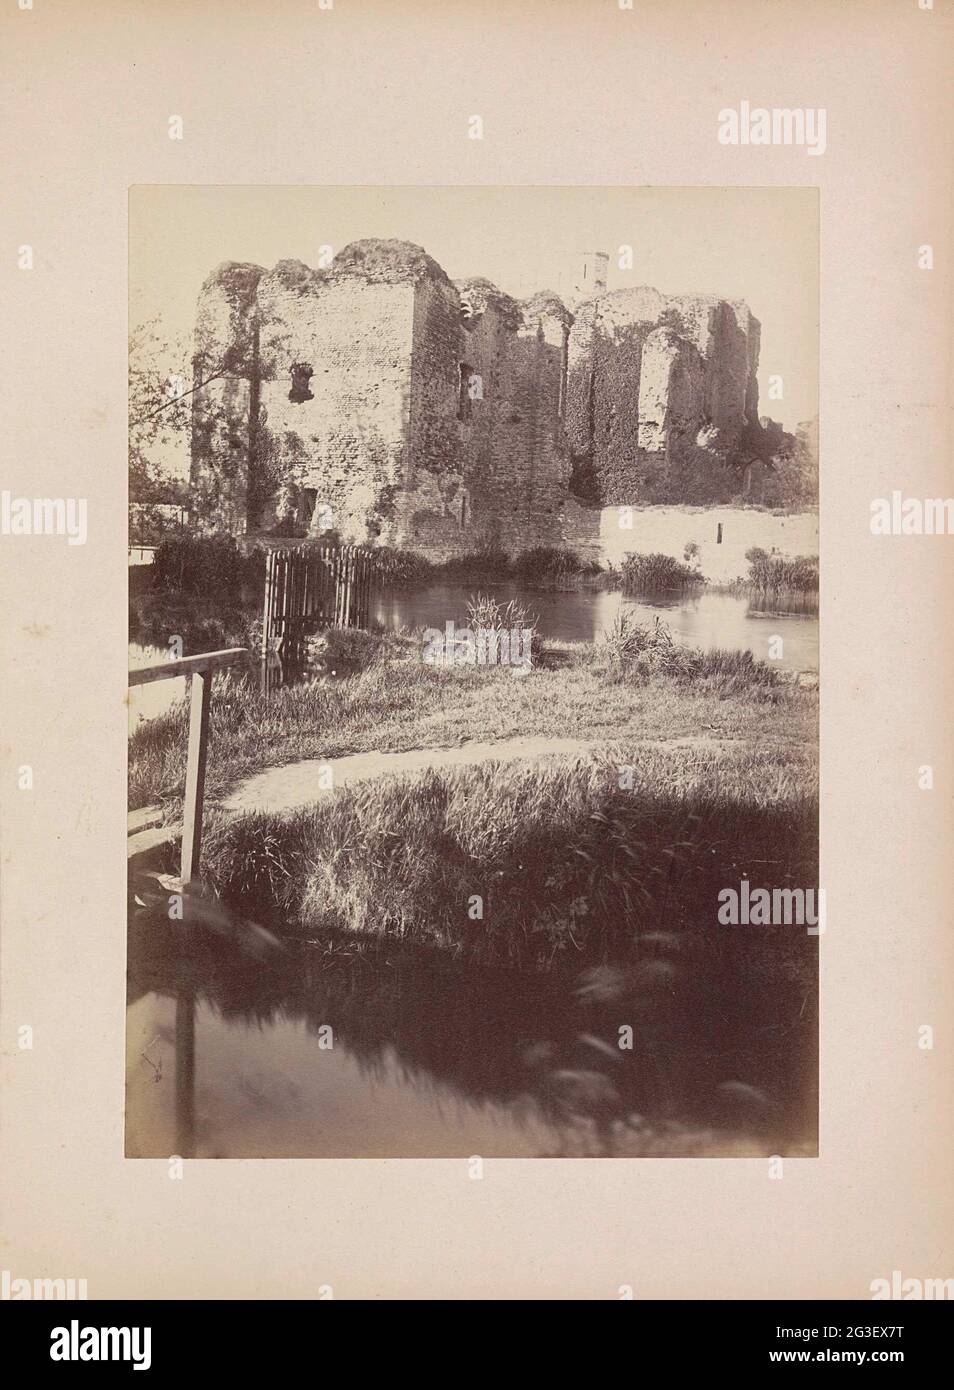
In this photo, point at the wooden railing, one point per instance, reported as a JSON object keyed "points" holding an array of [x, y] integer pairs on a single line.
{"points": [[201, 668]]}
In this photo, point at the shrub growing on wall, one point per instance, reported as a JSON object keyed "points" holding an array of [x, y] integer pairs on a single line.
{"points": [[691, 476]]}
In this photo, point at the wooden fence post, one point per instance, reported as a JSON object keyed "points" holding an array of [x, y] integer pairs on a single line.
{"points": [[195, 775], [267, 612]]}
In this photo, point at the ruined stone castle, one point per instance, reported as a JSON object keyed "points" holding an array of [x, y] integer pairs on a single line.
{"points": [[382, 401]]}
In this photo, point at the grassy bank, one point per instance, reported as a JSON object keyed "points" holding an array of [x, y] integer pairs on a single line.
{"points": [[626, 693], [571, 869]]}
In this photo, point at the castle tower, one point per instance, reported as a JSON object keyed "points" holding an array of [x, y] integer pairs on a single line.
{"points": [[590, 275]]}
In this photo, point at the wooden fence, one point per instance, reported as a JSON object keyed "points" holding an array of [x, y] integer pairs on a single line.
{"points": [[314, 587], [201, 668]]}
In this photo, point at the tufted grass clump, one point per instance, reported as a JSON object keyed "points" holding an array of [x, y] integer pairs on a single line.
{"points": [[655, 573], [797, 574], [640, 651]]}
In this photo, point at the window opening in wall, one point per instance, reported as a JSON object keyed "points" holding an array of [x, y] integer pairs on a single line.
{"points": [[470, 388], [719, 533], [301, 391], [463, 511], [463, 399]]}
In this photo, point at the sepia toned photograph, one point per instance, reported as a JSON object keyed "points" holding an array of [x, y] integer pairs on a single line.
{"points": [[477, 509], [473, 624]]}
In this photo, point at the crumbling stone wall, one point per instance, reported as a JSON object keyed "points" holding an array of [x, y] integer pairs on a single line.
{"points": [[671, 384], [429, 505], [380, 400], [515, 460], [651, 378]]}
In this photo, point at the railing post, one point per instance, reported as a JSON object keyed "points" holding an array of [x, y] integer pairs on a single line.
{"points": [[185, 1073], [195, 775]]}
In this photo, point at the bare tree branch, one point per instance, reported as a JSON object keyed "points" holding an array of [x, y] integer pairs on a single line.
{"points": [[174, 400]]}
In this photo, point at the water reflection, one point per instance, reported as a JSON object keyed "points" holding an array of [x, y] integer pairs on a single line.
{"points": [[581, 615], [185, 1072], [698, 618], [229, 1053]]}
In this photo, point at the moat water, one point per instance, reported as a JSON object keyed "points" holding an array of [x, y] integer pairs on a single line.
{"points": [[306, 1054], [701, 619]]}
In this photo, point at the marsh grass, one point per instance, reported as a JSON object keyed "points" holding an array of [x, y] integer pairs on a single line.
{"points": [[490, 564], [486, 613], [494, 623], [571, 870], [656, 573], [552, 567], [344, 651], [781, 574], [540, 567], [639, 651]]}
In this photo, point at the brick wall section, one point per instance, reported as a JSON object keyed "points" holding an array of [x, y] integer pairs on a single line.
{"points": [[504, 474], [603, 375], [540, 453], [491, 432], [671, 389], [347, 444], [515, 460], [428, 509]]}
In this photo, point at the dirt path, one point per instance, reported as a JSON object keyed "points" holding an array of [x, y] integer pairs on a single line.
{"points": [[289, 788]]}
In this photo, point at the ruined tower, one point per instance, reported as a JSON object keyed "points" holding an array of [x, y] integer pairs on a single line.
{"points": [[657, 385], [590, 276], [379, 400]]}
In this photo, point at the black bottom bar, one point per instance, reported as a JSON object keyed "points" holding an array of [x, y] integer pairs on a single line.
{"points": [[715, 1337]]}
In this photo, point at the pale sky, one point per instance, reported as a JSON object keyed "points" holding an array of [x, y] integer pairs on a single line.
{"points": [[756, 244]]}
